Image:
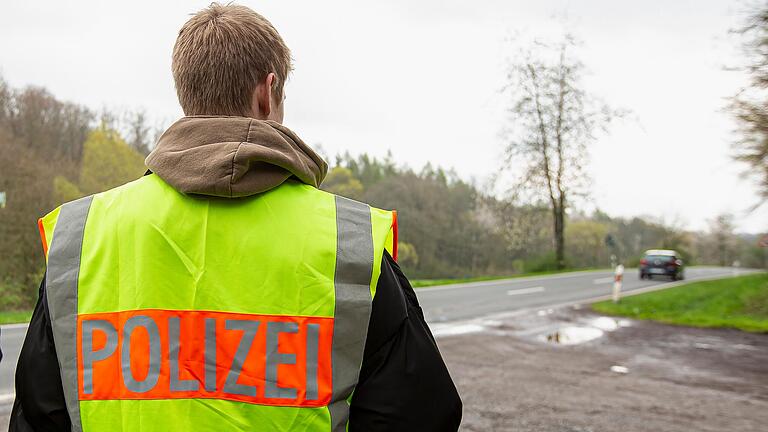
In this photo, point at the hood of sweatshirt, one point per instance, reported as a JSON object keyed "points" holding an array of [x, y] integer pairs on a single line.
{"points": [[232, 156]]}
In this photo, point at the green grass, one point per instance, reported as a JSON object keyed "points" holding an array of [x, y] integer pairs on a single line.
{"points": [[13, 317], [740, 302], [420, 283]]}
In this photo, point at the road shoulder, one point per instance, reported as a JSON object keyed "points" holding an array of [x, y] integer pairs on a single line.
{"points": [[637, 376]]}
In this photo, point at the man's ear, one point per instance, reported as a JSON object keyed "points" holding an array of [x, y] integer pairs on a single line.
{"points": [[262, 98]]}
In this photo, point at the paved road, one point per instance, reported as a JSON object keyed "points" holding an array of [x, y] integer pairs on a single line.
{"points": [[451, 303], [464, 301]]}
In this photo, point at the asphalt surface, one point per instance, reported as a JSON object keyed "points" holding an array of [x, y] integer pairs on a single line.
{"points": [[464, 301], [452, 303]]}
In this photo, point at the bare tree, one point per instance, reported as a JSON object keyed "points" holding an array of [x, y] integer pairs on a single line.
{"points": [[750, 105], [43, 123], [139, 132], [553, 121], [6, 95], [723, 239]]}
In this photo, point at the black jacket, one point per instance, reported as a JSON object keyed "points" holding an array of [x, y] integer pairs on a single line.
{"points": [[403, 386]]}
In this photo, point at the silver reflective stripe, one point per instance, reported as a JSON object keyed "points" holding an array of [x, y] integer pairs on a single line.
{"points": [[275, 358], [61, 291], [210, 355], [174, 343], [313, 342], [89, 355], [249, 328], [354, 269], [153, 375]]}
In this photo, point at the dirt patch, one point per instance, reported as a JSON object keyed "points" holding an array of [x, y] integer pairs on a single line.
{"points": [[640, 376]]}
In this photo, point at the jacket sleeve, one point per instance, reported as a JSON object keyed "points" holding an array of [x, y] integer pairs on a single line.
{"points": [[404, 384], [39, 403]]}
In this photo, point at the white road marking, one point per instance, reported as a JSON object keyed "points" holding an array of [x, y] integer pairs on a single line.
{"points": [[526, 290], [603, 280], [14, 326], [507, 281]]}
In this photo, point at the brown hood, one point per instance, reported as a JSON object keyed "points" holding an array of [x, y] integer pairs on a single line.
{"points": [[232, 156]]}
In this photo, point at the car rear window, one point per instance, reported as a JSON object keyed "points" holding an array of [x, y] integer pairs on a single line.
{"points": [[662, 258]]}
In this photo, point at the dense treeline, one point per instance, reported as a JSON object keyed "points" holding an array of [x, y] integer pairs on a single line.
{"points": [[53, 151], [450, 228], [444, 223]]}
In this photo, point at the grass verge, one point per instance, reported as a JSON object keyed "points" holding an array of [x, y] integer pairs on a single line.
{"points": [[14, 317], [420, 283], [739, 302]]}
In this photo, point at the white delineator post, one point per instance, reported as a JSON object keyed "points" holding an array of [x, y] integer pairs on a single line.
{"points": [[618, 276]]}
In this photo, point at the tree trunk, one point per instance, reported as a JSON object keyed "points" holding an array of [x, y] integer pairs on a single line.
{"points": [[559, 216]]}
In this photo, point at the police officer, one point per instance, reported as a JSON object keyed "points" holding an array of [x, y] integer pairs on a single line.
{"points": [[223, 290]]}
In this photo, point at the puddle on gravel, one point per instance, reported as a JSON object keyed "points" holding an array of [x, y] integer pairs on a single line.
{"points": [[547, 325], [573, 335], [589, 330]]}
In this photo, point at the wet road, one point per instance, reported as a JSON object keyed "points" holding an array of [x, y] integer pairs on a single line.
{"points": [[472, 300], [451, 303]]}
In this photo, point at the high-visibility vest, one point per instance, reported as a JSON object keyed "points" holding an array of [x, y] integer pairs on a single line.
{"points": [[181, 313]]}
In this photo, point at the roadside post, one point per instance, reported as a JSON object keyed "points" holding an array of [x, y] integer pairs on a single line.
{"points": [[2, 200], [618, 276]]}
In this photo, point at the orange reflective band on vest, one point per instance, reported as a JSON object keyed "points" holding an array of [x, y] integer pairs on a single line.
{"points": [[43, 237], [394, 235], [168, 354]]}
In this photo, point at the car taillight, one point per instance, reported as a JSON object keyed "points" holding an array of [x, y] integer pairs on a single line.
{"points": [[643, 261], [674, 263]]}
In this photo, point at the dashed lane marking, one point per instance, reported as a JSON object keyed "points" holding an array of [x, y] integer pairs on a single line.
{"points": [[525, 290], [603, 280]]}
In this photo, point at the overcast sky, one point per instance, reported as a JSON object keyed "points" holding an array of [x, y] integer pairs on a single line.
{"points": [[422, 79]]}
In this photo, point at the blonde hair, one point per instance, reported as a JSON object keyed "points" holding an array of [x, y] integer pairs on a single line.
{"points": [[220, 56]]}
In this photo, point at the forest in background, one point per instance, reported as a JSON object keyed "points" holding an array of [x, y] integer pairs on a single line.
{"points": [[452, 229], [53, 151]]}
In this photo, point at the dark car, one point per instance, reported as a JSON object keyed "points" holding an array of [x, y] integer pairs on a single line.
{"points": [[661, 262]]}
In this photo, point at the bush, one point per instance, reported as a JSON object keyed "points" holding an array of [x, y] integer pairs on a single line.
{"points": [[542, 263]]}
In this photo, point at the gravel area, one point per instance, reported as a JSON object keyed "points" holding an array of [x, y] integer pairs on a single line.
{"points": [[636, 376]]}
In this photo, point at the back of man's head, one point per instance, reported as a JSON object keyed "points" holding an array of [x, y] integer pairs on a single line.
{"points": [[221, 55]]}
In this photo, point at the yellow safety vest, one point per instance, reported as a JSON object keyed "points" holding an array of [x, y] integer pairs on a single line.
{"points": [[181, 313]]}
